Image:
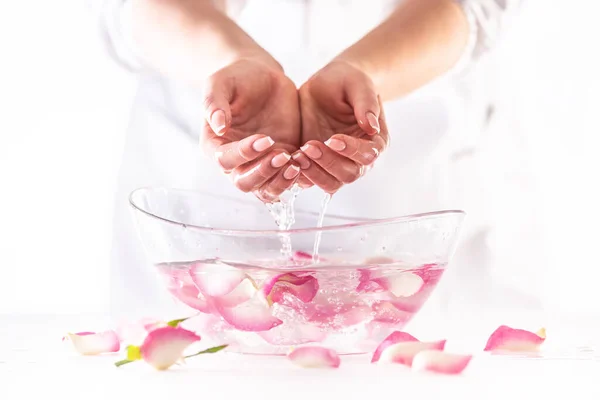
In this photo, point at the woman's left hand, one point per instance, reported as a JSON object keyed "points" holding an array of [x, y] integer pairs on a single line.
{"points": [[343, 127]]}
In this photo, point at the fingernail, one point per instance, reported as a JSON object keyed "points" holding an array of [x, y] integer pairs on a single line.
{"points": [[303, 161], [336, 144], [291, 172], [218, 121], [280, 160], [311, 151], [373, 122], [262, 144]]}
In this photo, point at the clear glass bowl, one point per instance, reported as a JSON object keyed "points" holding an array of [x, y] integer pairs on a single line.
{"points": [[223, 258]]}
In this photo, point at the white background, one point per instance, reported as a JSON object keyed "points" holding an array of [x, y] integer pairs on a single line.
{"points": [[64, 113]]}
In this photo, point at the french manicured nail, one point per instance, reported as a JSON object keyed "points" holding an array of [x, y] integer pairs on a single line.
{"points": [[262, 144], [291, 172], [302, 160], [280, 160], [218, 121], [336, 144], [311, 151], [373, 122]]}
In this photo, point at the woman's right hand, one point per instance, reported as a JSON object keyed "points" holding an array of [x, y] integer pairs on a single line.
{"points": [[252, 126]]}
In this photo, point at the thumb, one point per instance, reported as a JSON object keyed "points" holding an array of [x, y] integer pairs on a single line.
{"points": [[217, 96], [363, 99]]}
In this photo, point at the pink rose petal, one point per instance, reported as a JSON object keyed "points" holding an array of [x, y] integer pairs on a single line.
{"points": [[404, 352], [302, 256], [304, 288], [390, 312], [314, 357], [164, 346], [254, 315], [441, 362], [393, 338], [90, 343], [182, 287], [245, 291], [509, 339], [216, 279], [402, 284]]}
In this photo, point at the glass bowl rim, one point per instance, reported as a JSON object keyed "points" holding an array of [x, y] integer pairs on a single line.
{"points": [[362, 223]]}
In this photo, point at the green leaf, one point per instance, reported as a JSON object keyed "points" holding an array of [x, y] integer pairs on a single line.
{"points": [[174, 323], [208, 351]]}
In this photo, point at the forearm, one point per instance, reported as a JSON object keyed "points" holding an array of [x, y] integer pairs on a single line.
{"points": [[189, 39], [420, 41]]}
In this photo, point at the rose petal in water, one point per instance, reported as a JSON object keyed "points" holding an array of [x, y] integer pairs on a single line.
{"points": [[393, 338], [314, 357], [390, 312], [401, 284], [254, 315], [216, 280], [507, 339], [441, 362], [304, 288], [404, 352], [91, 343]]}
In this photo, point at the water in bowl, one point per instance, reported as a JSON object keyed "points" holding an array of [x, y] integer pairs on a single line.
{"points": [[261, 310]]}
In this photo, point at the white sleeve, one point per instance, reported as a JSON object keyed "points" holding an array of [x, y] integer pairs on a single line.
{"points": [[487, 19], [112, 18]]}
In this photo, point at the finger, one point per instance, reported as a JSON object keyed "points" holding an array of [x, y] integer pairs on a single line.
{"points": [[281, 182], [250, 176], [364, 101], [218, 93], [304, 163], [234, 154], [316, 175], [361, 151], [338, 166]]}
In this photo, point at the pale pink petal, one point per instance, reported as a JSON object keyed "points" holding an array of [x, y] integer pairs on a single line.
{"points": [[393, 338], [293, 335], [366, 284], [254, 315], [164, 346], [509, 339], [441, 362], [402, 284], [216, 279], [404, 352], [304, 288], [314, 357], [245, 291], [90, 343]]}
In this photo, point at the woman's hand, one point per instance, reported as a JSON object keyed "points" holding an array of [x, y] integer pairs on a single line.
{"points": [[343, 127], [253, 126]]}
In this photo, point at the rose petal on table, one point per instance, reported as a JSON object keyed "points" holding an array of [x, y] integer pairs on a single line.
{"points": [[393, 338], [314, 357], [441, 362], [401, 284], [91, 343], [510, 339], [216, 280], [304, 288], [254, 315], [404, 352], [164, 346]]}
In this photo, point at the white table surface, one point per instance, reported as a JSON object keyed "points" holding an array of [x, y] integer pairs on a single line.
{"points": [[34, 361]]}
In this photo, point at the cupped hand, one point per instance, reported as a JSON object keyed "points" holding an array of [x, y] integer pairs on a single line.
{"points": [[343, 127], [252, 126]]}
